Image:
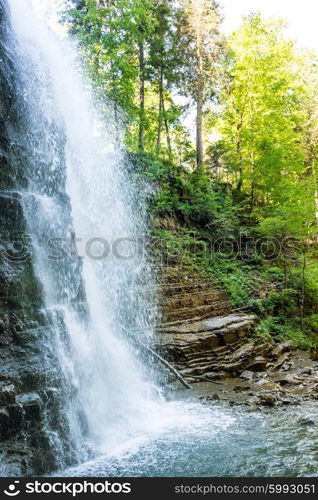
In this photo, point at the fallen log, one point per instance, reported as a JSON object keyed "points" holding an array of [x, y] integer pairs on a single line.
{"points": [[163, 361], [200, 377], [168, 365]]}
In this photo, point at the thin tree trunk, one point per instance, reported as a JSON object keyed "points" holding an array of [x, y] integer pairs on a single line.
{"points": [[199, 125], [302, 308], [314, 172], [160, 110], [167, 128], [141, 97], [239, 154], [117, 128]]}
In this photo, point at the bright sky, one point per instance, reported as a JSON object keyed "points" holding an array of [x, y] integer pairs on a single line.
{"points": [[302, 16]]}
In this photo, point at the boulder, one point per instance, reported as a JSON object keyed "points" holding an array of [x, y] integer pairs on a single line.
{"points": [[241, 388], [215, 397], [7, 394], [267, 400], [258, 364], [268, 385], [306, 422], [247, 375], [282, 348], [307, 370], [313, 388], [281, 361], [4, 423], [286, 380], [31, 404]]}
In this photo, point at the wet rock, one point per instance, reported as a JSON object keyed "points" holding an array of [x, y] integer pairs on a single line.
{"points": [[282, 348], [31, 404], [306, 422], [4, 423], [248, 375], [286, 380], [305, 371], [240, 388], [258, 364], [314, 353], [16, 416], [286, 401], [7, 394], [281, 361], [313, 388], [215, 375], [267, 400], [268, 385], [215, 397]]}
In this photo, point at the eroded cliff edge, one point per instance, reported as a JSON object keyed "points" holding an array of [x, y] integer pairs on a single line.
{"points": [[33, 430]]}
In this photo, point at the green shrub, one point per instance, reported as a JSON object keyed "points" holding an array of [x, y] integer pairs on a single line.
{"points": [[277, 302], [281, 329]]}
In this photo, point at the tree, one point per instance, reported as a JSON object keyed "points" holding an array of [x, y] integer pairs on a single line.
{"points": [[310, 126], [163, 63], [113, 35], [200, 42], [260, 118]]}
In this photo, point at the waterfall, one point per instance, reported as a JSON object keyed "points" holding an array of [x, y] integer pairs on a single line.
{"points": [[84, 215]]}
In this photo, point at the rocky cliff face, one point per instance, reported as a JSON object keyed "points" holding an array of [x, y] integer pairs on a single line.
{"points": [[31, 430], [208, 342]]}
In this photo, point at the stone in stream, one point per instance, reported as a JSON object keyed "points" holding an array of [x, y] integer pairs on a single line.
{"points": [[268, 385], [241, 388], [285, 380], [282, 349], [281, 363], [313, 388], [306, 422], [267, 400], [258, 364], [307, 370], [248, 375]]}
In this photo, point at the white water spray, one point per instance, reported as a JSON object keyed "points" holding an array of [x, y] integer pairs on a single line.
{"points": [[107, 395], [114, 395]]}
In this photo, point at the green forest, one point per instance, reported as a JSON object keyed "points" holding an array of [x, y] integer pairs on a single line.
{"points": [[234, 190]]}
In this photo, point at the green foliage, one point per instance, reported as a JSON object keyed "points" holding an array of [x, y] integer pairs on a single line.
{"points": [[312, 322], [277, 302], [257, 97], [195, 201], [281, 329], [237, 281]]}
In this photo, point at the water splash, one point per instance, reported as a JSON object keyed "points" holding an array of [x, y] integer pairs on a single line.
{"points": [[109, 395]]}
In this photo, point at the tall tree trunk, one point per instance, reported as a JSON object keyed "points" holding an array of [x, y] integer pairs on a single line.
{"points": [[315, 194], [117, 128], [141, 97], [199, 125], [252, 183], [160, 110], [166, 127], [239, 154]]}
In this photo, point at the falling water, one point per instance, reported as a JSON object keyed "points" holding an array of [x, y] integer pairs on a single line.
{"points": [[84, 213], [93, 290]]}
